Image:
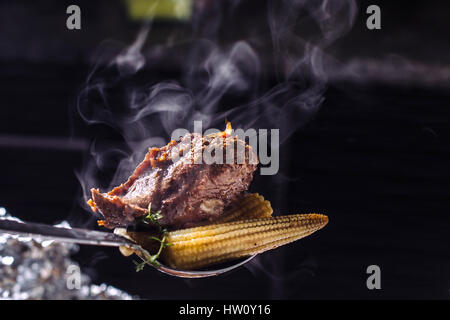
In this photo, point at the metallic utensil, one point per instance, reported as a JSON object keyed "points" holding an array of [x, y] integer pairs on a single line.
{"points": [[40, 231]]}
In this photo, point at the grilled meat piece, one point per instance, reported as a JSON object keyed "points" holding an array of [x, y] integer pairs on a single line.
{"points": [[181, 182]]}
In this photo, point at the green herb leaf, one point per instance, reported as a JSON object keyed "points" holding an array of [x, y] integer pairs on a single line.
{"points": [[152, 217], [153, 259]]}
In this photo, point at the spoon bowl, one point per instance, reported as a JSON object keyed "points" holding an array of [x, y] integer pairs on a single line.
{"points": [[203, 273]]}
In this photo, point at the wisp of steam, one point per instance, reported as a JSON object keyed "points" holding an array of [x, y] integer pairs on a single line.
{"points": [[144, 115], [299, 32]]}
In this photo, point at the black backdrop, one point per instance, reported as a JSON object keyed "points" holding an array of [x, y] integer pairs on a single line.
{"points": [[375, 158]]}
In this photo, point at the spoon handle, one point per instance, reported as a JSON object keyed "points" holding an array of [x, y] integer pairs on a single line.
{"points": [[40, 231], [45, 232]]}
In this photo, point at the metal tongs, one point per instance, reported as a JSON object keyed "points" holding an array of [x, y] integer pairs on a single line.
{"points": [[40, 231]]}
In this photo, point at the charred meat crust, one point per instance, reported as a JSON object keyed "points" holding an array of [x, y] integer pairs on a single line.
{"points": [[176, 181]]}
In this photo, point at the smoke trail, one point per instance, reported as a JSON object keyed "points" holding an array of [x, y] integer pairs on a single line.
{"points": [[144, 115], [393, 69]]}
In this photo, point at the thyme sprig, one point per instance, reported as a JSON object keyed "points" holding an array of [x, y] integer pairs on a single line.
{"points": [[153, 218]]}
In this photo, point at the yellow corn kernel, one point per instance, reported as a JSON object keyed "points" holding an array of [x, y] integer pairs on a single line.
{"points": [[199, 247], [253, 206]]}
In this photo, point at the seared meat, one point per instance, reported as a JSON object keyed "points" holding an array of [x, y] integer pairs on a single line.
{"points": [[181, 182]]}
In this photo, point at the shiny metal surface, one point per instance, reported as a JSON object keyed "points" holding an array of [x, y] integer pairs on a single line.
{"points": [[98, 238], [74, 235]]}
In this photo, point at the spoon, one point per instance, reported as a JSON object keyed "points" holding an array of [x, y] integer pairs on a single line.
{"points": [[40, 231]]}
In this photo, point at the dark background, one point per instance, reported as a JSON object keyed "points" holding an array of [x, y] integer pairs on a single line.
{"points": [[374, 158]]}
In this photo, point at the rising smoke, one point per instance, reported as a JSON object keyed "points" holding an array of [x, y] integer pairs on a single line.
{"points": [[144, 115]]}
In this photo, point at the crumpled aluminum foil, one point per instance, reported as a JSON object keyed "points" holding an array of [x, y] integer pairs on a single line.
{"points": [[37, 270]]}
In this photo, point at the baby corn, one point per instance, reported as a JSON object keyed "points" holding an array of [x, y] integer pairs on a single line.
{"points": [[246, 229], [253, 206], [199, 247]]}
